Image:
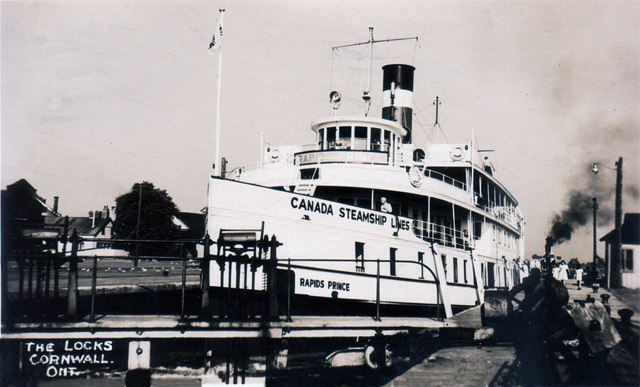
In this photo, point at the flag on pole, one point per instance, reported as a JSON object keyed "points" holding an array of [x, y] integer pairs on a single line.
{"points": [[218, 32]]}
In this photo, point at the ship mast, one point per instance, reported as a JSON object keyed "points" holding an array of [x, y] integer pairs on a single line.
{"points": [[365, 95], [217, 162]]}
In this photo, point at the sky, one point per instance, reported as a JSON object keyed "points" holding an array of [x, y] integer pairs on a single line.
{"points": [[96, 96]]}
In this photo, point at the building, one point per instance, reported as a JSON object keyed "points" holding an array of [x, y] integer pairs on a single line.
{"points": [[29, 225], [191, 226], [23, 219], [95, 229], [630, 250]]}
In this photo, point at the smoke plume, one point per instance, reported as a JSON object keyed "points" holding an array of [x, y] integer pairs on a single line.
{"points": [[578, 212]]}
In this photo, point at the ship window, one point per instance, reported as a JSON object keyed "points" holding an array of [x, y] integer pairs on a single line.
{"points": [[344, 140], [421, 262], [360, 138], [309, 173], [392, 261], [504, 269], [464, 271], [477, 230], [387, 140], [321, 138], [363, 203], [331, 138], [444, 263], [455, 269], [359, 256], [491, 275], [375, 139]]}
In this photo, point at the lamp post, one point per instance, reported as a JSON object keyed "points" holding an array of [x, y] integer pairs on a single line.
{"points": [[595, 254], [616, 251]]}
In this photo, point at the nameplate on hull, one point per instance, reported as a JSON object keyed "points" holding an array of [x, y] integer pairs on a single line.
{"points": [[364, 157]]}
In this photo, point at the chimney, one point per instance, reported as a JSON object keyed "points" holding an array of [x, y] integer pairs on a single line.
{"points": [[55, 204], [397, 95], [92, 215], [105, 212]]}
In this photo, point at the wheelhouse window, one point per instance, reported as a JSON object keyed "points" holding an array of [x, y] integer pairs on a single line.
{"points": [[375, 140], [321, 143], [387, 141], [344, 140], [309, 173], [360, 138], [331, 138]]}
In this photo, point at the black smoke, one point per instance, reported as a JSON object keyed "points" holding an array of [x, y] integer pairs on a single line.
{"points": [[577, 214]]}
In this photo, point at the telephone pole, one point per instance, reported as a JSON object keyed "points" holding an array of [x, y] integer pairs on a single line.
{"points": [[616, 247]]}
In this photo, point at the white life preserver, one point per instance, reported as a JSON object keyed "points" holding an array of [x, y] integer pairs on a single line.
{"points": [[456, 153], [415, 176]]}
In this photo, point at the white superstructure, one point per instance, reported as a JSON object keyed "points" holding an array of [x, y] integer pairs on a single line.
{"points": [[451, 218]]}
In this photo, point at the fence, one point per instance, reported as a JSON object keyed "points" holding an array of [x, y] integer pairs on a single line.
{"points": [[64, 286]]}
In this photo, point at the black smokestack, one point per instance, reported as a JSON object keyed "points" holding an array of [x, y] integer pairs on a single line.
{"points": [[397, 88]]}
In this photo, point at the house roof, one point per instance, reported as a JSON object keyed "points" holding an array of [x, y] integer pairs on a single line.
{"points": [[21, 200], [195, 225], [630, 231], [82, 224]]}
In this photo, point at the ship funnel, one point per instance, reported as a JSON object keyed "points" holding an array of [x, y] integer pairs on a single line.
{"points": [[397, 95]]}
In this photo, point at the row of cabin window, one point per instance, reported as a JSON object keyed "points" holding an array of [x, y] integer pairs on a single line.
{"points": [[493, 276], [356, 138], [392, 263], [504, 237]]}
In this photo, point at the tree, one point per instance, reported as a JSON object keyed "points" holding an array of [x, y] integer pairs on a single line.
{"points": [[146, 212]]}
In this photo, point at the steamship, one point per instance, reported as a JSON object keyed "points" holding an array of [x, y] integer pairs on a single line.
{"points": [[363, 214]]}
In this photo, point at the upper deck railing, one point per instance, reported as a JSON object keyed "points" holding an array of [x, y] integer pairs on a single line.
{"points": [[445, 179], [446, 236]]}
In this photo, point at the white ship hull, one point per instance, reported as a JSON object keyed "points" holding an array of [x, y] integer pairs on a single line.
{"points": [[319, 240]]}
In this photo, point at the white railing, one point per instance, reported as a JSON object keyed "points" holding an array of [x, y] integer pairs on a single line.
{"points": [[446, 236], [444, 178], [506, 213]]}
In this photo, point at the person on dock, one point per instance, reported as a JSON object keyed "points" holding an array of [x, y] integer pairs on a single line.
{"points": [[563, 274], [579, 273], [527, 286]]}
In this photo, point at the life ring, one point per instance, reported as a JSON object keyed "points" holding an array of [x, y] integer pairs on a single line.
{"points": [[456, 153], [371, 358], [415, 177]]}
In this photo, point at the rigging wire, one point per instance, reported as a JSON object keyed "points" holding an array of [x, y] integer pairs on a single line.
{"points": [[416, 45]]}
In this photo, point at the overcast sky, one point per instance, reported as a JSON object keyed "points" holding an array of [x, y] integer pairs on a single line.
{"points": [[97, 96]]}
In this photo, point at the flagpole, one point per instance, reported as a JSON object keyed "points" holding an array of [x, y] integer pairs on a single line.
{"points": [[217, 168]]}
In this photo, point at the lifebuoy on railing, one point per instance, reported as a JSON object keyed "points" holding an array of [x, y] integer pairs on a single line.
{"points": [[456, 153], [415, 176]]}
